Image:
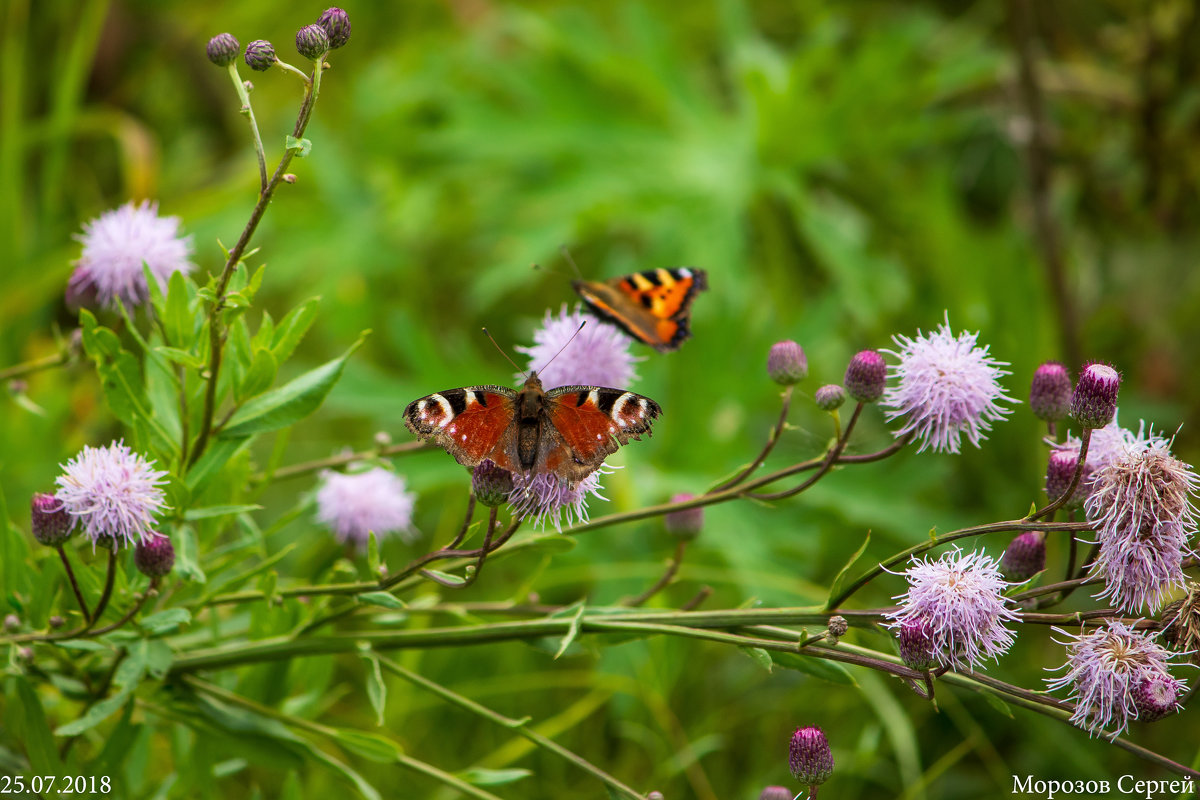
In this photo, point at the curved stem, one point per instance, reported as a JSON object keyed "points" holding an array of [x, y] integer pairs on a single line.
{"points": [[776, 432], [305, 467], [106, 595], [661, 583], [58, 359], [131, 613], [1084, 439], [248, 112], [87, 615], [827, 465]]}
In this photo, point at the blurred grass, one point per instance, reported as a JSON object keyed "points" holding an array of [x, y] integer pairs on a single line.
{"points": [[844, 173]]}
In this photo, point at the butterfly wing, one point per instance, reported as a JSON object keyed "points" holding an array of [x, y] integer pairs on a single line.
{"points": [[472, 424], [586, 424], [653, 307]]}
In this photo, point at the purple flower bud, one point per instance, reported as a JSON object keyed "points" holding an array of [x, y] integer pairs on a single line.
{"points": [[260, 55], [786, 363], [154, 557], [830, 397], [1059, 471], [1094, 403], [916, 645], [336, 23], [866, 376], [312, 42], [223, 49], [655, 796], [51, 523], [12, 622], [1155, 698], [1024, 557], [1050, 392], [776, 793], [491, 485], [809, 757], [687, 523]]}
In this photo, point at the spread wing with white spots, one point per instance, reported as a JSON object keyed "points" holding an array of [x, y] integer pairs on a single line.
{"points": [[470, 423], [593, 422]]}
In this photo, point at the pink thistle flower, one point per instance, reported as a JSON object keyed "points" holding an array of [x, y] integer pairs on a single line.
{"points": [[113, 492], [598, 356], [354, 504], [1105, 445], [958, 602], [116, 245], [947, 387], [1105, 669], [546, 498]]}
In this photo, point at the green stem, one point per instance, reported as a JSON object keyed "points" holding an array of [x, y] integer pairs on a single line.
{"points": [[37, 365], [109, 578], [826, 465], [304, 468], [1084, 439], [248, 112], [87, 615], [661, 583], [776, 432]]}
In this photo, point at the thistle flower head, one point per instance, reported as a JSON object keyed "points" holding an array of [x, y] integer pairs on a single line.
{"points": [[336, 23], [1050, 392], [1060, 469], [154, 557], [866, 376], [115, 246], [960, 598], [545, 498], [685, 524], [1104, 668], [809, 756], [223, 49], [1155, 698], [1094, 402], [598, 356], [1141, 509], [491, 484], [49, 520], [312, 42], [355, 504], [260, 55], [830, 397], [1104, 446], [1181, 623], [113, 492], [947, 387], [915, 641], [776, 793], [1024, 557], [786, 363]]}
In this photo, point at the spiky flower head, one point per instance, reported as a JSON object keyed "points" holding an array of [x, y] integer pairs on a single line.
{"points": [[546, 498], [960, 597], [1180, 623], [49, 520], [1094, 403], [115, 246], [786, 363], [1050, 392], [598, 356], [260, 55], [1104, 446], [336, 23], [1104, 668], [830, 397], [866, 376], [113, 492], [687, 523], [1060, 469], [312, 42], [491, 484], [1024, 557], [355, 504], [809, 756], [1141, 509], [1155, 698], [776, 793], [154, 557], [947, 387], [914, 639], [223, 49]]}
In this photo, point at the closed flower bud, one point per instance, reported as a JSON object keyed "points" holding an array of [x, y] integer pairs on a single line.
{"points": [[1024, 557], [1050, 392], [491, 485], [809, 756], [1059, 471], [312, 42], [776, 793], [786, 363], [223, 49], [260, 55], [866, 376], [57, 622], [25, 654], [12, 622], [1155, 698], [916, 645], [655, 796], [154, 557], [686, 523], [838, 626], [830, 397], [51, 523], [1095, 400], [336, 23]]}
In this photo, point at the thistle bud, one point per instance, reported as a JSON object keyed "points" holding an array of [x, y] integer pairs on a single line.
{"points": [[686, 523], [786, 363], [223, 49], [866, 376], [837, 627], [49, 520], [260, 55], [830, 397], [490, 484], [916, 645], [655, 796], [12, 622], [57, 622], [1094, 403], [1050, 392], [312, 42], [776, 793], [336, 23], [1155, 698], [809, 756], [1024, 557], [1059, 470], [154, 557]]}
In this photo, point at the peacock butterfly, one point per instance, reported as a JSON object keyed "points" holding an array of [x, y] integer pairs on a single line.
{"points": [[652, 306]]}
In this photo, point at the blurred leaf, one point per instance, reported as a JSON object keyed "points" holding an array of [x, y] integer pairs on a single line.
{"points": [[259, 376], [479, 776], [292, 327], [382, 599], [759, 656], [26, 721], [376, 688], [844, 575], [187, 359], [302, 146], [369, 745], [193, 514], [576, 611], [821, 668], [176, 316], [209, 465], [165, 620], [186, 563], [97, 713]]}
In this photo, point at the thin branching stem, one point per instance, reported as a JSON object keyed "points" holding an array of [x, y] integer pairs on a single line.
{"points": [[662, 582], [1058, 502], [776, 432], [333, 462], [59, 359], [66, 562], [826, 465]]}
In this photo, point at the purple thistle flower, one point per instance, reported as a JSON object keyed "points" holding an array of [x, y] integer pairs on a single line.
{"points": [[915, 643], [116, 244], [154, 557], [1050, 392], [1155, 698], [49, 521], [1141, 509], [545, 498], [776, 793], [1094, 402], [598, 356], [1105, 445], [829, 397], [685, 524], [1025, 556], [113, 492], [1060, 469], [866, 376], [947, 387], [1105, 668], [959, 597], [786, 363], [354, 504], [809, 756]]}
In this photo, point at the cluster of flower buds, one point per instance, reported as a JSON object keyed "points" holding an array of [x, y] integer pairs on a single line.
{"points": [[329, 32]]}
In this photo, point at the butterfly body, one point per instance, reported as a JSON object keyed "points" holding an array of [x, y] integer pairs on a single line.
{"points": [[652, 306], [567, 431]]}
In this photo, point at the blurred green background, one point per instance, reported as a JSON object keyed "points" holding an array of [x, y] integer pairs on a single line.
{"points": [[844, 171]]}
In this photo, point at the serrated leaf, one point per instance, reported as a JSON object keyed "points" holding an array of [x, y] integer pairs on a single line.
{"points": [[371, 746], [382, 599], [480, 776], [759, 656], [165, 620], [821, 668], [844, 575], [193, 514], [302, 146]]}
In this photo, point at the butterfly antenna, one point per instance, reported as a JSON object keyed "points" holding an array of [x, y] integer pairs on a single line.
{"points": [[562, 248], [501, 349], [564, 347]]}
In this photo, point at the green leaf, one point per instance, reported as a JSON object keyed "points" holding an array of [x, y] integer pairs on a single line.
{"points": [[259, 375], [177, 318], [369, 745], [193, 514], [302, 146], [376, 688], [96, 714], [994, 700], [165, 620], [291, 329], [373, 554], [218, 454], [289, 403], [382, 599], [14, 550], [159, 657], [26, 723], [759, 656], [454, 580], [573, 630], [186, 563], [177, 356], [844, 576], [821, 668], [479, 776]]}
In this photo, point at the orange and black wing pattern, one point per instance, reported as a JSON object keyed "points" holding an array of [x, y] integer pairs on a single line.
{"points": [[472, 423], [652, 307]]}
